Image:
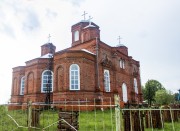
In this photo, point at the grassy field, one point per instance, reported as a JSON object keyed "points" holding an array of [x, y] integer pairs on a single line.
{"points": [[88, 121]]}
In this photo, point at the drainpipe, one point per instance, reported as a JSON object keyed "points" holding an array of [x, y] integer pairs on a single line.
{"points": [[97, 64]]}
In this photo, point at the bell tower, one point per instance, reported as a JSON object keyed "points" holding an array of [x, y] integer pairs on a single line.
{"points": [[48, 48], [83, 31]]}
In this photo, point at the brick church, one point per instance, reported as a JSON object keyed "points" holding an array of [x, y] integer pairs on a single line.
{"points": [[88, 69]]}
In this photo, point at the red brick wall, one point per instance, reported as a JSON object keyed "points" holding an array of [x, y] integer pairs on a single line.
{"points": [[108, 58], [47, 48], [85, 34], [18, 73], [86, 62]]}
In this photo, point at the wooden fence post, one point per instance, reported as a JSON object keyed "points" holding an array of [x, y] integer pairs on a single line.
{"points": [[117, 112], [29, 115], [68, 121]]}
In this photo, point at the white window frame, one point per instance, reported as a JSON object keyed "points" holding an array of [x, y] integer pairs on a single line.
{"points": [[74, 76], [22, 85], [76, 35], [121, 63], [107, 81], [124, 93], [44, 83], [135, 86]]}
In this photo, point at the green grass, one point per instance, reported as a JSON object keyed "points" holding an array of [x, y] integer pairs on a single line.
{"points": [[88, 121], [167, 127], [99, 120]]}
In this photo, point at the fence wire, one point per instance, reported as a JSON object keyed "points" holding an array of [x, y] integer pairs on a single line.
{"points": [[90, 116]]}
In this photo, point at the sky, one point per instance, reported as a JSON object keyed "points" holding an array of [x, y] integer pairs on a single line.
{"points": [[149, 28]]}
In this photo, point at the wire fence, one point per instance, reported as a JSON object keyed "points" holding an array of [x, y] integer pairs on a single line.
{"points": [[87, 115]]}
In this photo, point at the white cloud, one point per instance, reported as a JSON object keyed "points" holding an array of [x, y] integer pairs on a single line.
{"points": [[51, 14], [7, 29], [31, 21], [76, 2]]}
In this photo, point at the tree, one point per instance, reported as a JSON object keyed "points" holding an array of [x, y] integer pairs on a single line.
{"points": [[164, 97], [150, 89], [177, 97]]}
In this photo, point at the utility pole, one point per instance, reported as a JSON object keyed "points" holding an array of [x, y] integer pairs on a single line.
{"points": [[49, 84], [49, 68]]}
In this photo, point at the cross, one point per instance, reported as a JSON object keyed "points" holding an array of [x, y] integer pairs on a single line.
{"points": [[119, 39], [84, 15], [49, 37], [90, 20]]}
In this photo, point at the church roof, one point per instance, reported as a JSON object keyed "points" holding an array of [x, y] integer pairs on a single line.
{"points": [[86, 21], [49, 55], [47, 44], [120, 45], [88, 51], [89, 26]]}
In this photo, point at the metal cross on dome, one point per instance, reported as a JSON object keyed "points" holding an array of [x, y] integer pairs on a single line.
{"points": [[49, 37], [119, 39], [84, 15], [90, 18]]}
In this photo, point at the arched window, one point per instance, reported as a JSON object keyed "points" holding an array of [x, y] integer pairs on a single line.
{"points": [[135, 86], [74, 77], [121, 63], [124, 90], [22, 86], [76, 35], [47, 81], [106, 81]]}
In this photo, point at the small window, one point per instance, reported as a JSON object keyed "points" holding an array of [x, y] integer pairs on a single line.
{"points": [[122, 63], [106, 81], [74, 77], [135, 86], [124, 90], [47, 81], [22, 86], [76, 35]]}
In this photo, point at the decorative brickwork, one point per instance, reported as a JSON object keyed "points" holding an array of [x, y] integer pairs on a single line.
{"points": [[92, 56]]}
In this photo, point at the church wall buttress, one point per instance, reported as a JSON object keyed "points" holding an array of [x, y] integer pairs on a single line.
{"points": [[66, 76], [60, 75], [60, 81], [30, 83], [38, 81], [15, 87], [87, 75]]}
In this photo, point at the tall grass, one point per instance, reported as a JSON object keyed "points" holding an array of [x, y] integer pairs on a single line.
{"points": [[88, 121]]}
